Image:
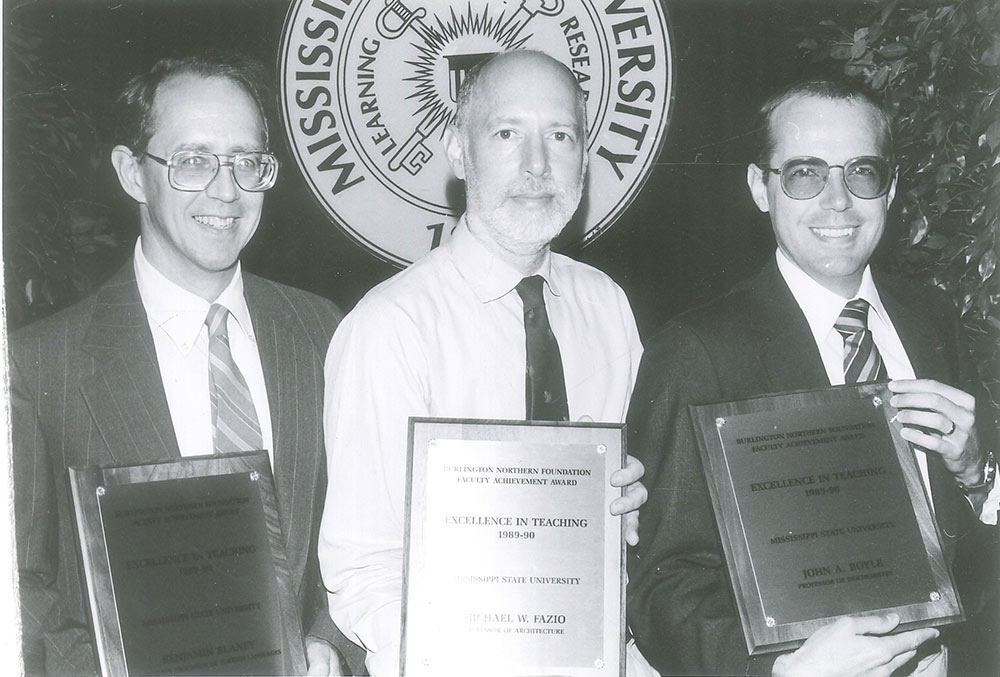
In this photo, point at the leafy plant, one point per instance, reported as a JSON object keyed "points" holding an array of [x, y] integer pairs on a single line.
{"points": [[56, 237], [938, 67]]}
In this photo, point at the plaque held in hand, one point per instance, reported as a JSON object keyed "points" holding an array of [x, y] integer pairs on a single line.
{"points": [[822, 513], [185, 568], [513, 561]]}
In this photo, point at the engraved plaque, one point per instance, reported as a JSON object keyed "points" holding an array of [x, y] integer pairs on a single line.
{"points": [[513, 560], [822, 514], [185, 568]]}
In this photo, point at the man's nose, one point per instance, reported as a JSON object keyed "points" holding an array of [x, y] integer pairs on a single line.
{"points": [[835, 195], [223, 185], [534, 156]]}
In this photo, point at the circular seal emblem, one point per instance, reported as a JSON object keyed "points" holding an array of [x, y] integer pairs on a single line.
{"points": [[369, 86]]}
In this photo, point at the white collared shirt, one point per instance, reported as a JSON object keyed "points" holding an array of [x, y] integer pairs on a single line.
{"points": [[177, 320], [822, 307], [444, 338]]}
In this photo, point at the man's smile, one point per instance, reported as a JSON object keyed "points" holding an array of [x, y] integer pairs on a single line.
{"points": [[833, 233], [217, 221]]}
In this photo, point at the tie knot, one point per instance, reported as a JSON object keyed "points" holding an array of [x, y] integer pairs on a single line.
{"points": [[853, 318], [530, 291], [216, 320]]}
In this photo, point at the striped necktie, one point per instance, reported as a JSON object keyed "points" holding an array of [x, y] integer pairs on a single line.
{"points": [[862, 363], [544, 385], [234, 420]]}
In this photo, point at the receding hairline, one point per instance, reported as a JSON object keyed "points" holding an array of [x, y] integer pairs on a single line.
{"points": [[173, 80], [875, 115], [471, 97], [823, 88], [502, 60], [134, 104]]}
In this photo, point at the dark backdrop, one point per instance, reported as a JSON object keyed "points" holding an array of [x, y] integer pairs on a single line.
{"points": [[691, 233]]}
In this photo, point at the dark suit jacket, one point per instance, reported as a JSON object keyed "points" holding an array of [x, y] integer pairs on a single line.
{"points": [[86, 390], [752, 341]]}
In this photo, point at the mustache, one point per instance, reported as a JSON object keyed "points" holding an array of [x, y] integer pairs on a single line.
{"points": [[533, 185]]}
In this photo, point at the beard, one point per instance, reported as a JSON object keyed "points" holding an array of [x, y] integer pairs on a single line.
{"points": [[516, 227]]}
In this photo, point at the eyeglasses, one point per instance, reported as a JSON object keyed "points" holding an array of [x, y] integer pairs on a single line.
{"points": [[193, 170], [803, 178]]}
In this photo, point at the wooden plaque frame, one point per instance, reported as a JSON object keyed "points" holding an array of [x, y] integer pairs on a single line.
{"points": [[478, 577], [91, 485], [741, 527]]}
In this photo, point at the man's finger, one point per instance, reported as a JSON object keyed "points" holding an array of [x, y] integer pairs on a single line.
{"points": [[931, 420], [632, 472], [874, 625], [630, 523], [634, 497], [928, 386], [899, 661], [909, 641]]}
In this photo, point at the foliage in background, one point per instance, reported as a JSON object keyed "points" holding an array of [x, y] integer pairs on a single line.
{"points": [[938, 66], [57, 236]]}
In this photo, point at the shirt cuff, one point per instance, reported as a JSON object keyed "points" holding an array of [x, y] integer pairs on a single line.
{"points": [[385, 662], [988, 515]]}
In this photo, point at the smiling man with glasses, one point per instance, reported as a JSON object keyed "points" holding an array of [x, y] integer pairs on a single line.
{"points": [[816, 315], [180, 353]]}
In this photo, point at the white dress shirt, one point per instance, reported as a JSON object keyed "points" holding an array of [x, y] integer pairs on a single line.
{"points": [[177, 320], [444, 338]]}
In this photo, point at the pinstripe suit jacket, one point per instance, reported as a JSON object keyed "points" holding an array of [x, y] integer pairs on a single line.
{"points": [[86, 389], [752, 341]]}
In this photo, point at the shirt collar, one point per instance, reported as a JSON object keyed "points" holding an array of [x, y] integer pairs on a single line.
{"points": [[180, 313], [821, 306], [490, 276]]}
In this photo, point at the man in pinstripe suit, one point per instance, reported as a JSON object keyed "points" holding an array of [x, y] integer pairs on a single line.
{"points": [[122, 377]]}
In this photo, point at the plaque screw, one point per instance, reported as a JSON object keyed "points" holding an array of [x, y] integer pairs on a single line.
{"points": [[719, 422], [877, 401], [101, 491], [254, 476], [935, 595], [601, 448], [770, 622], [599, 663]]}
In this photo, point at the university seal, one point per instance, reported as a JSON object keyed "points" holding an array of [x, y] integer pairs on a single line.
{"points": [[369, 86]]}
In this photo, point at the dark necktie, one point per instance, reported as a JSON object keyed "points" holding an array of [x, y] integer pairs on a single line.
{"points": [[544, 385], [862, 363], [234, 420]]}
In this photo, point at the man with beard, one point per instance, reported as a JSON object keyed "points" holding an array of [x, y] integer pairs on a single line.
{"points": [[447, 337]]}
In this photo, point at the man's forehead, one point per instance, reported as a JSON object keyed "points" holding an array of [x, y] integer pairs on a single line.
{"points": [[521, 94], [805, 119], [194, 97]]}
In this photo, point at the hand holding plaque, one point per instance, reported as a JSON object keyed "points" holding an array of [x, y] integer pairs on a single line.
{"points": [[854, 646]]}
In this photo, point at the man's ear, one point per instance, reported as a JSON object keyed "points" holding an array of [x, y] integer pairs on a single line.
{"points": [[129, 173], [453, 144], [758, 187]]}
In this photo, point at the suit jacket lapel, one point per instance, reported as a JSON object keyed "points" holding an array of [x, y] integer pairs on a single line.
{"points": [[289, 372], [125, 394], [919, 334], [788, 353], [923, 343]]}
